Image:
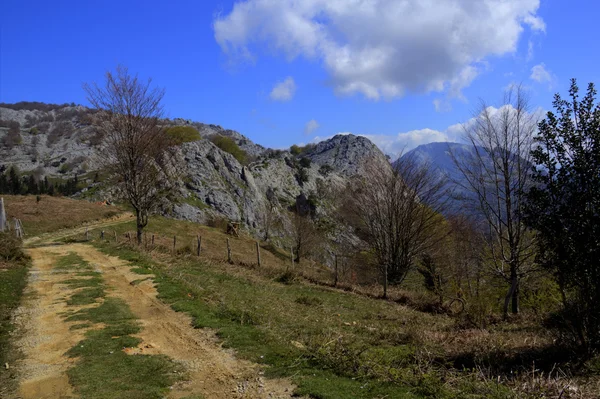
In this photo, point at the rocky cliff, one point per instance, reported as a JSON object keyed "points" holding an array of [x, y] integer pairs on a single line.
{"points": [[61, 142]]}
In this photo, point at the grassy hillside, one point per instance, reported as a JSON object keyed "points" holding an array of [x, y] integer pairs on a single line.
{"points": [[53, 213], [334, 343]]}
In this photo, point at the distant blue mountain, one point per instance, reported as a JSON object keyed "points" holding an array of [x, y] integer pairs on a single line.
{"points": [[438, 155]]}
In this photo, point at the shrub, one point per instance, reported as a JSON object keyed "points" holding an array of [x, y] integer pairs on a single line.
{"points": [[302, 176], [324, 170], [296, 150], [10, 248], [183, 134], [228, 145], [305, 162], [61, 129], [13, 137], [43, 127]]}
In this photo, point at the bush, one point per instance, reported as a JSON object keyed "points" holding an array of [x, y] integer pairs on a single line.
{"points": [[62, 129], [228, 145], [302, 176], [13, 137], [43, 127], [296, 150], [183, 134], [324, 170], [10, 248], [305, 162]]}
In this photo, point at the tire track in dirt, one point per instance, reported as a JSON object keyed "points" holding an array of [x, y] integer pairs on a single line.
{"points": [[43, 335], [213, 371]]}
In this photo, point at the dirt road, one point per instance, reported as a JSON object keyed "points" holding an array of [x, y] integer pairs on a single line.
{"points": [[45, 336]]}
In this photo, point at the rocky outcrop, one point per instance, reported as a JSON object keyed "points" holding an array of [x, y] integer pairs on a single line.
{"points": [[56, 143], [346, 154], [213, 182]]}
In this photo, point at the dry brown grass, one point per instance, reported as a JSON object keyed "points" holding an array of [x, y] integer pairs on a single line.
{"points": [[274, 261], [54, 213]]}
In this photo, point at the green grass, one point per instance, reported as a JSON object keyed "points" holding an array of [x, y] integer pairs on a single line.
{"points": [[14, 265], [299, 331], [13, 279], [195, 202], [103, 370]]}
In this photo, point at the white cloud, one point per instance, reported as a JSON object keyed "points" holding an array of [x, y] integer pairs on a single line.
{"points": [[284, 91], [395, 145], [540, 74], [530, 50], [381, 48], [535, 22], [311, 126]]}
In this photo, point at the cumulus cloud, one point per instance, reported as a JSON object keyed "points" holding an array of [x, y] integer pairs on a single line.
{"points": [[540, 74], [381, 48], [311, 126], [284, 91]]}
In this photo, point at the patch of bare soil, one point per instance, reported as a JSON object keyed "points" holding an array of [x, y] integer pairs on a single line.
{"points": [[214, 372], [43, 335]]}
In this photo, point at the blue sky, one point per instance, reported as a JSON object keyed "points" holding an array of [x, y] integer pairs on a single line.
{"points": [[284, 72]]}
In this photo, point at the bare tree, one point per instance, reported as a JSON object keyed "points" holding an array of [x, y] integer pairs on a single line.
{"points": [[136, 149], [305, 237], [496, 173], [397, 213]]}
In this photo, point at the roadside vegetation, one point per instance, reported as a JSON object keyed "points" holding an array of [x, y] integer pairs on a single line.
{"points": [[334, 343], [14, 264]]}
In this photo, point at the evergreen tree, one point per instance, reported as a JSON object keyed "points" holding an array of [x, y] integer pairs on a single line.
{"points": [[15, 181], [564, 207]]}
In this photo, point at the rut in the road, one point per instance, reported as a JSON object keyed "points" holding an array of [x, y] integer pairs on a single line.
{"points": [[43, 335], [214, 372]]}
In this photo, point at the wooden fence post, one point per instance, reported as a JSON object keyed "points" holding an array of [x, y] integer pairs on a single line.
{"points": [[174, 243], [292, 256], [116, 239], [129, 237], [199, 239], [102, 235], [258, 253], [229, 252], [152, 240], [336, 271]]}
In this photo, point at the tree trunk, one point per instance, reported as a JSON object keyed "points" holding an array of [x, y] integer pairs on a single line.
{"points": [[512, 294], [140, 227], [385, 281], [515, 298]]}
